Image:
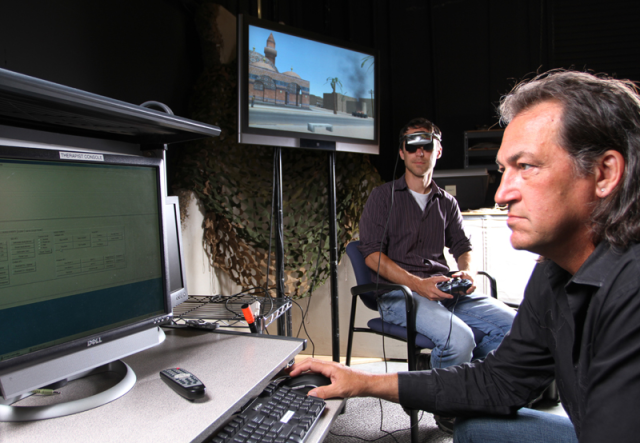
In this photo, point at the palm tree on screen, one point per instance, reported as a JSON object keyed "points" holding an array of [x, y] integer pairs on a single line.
{"points": [[334, 81]]}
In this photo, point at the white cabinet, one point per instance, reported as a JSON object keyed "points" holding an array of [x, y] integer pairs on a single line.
{"points": [[493, 253]]}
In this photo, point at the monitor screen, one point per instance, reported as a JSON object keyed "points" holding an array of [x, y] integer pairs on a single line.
{"points": [[82, 258], [298, 89], [177, 272]]}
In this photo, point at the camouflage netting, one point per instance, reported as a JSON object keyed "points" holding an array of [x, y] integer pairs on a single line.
{"points": [[234, 183]]}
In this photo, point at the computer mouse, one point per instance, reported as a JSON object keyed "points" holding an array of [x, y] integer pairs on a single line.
{"points": [[306, 382]]}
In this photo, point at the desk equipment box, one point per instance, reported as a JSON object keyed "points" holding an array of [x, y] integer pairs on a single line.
{"points": [[468, 186]]}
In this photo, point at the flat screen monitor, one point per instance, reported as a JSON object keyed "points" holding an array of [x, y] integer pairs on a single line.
{"points": [[177, 272], [302, 90], [83, 278]]}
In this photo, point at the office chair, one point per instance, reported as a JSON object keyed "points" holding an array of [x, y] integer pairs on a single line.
{"points": [[377, 326], [415, 341], [364, 290]]}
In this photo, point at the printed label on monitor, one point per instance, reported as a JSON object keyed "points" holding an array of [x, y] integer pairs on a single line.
{"points": [[81, 156]]}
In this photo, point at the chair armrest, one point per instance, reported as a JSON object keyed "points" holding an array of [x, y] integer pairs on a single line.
{"points": [[382, 288], [372, 287], [410, 312], [494, 289], [492, 281], [492, 284]]}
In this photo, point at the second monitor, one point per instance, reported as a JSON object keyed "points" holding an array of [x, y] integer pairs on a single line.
{"points": [[177, 271]]}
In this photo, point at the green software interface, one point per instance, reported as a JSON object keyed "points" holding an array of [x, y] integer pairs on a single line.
{"points": [[80, 250]]}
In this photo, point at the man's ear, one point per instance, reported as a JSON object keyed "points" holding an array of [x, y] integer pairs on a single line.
{"points": [[608, 172], [438, 146], [401, 153]]}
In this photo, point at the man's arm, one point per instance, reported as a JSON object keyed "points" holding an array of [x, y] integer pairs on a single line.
{"points": [[464, 262], [390, 271], [347, 382], [464, 269]]}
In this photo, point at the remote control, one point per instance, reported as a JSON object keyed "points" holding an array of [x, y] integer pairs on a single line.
{"points": [[457, 286], [183, 382]]}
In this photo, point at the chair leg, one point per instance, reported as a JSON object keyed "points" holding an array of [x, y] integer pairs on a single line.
{"points": [[352, 319], [414, 426], [412, 363]]}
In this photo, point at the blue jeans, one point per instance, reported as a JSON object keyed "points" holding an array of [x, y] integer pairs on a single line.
{"points": [[447, 324], [528, 426]]}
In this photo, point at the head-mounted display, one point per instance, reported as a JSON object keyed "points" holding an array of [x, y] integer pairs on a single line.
{"points": [[422, 140]]}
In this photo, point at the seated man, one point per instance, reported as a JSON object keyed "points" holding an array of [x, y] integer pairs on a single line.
{"points": [[570, 159], [404, 228]]}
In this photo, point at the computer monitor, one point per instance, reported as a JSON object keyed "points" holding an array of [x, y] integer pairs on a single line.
{"points": [[83, 269], [177, 273], [297, 89]]}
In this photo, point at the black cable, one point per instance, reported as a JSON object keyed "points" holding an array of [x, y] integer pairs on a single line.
{"points": [[387, 433], [446, 344], [384, 233], [311, 287], [303, 315], [384, 355], [384, 352]]}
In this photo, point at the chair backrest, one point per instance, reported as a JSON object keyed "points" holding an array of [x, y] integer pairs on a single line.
{"points": [[362, 273]]}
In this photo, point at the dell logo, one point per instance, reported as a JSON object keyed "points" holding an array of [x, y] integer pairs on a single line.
{"points": [[95, 341]]}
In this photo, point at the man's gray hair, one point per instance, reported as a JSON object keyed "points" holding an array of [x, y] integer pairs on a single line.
{"points": [[599, 114]]}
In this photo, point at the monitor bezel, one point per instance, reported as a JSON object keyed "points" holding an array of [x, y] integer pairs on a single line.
{"points": [[109, 335], [292, 139]]}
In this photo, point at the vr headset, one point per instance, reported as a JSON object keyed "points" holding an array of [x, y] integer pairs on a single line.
{"points": [[417, 140]]}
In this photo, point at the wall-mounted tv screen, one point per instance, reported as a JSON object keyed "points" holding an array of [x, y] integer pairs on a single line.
{"points": [[297, 89]]}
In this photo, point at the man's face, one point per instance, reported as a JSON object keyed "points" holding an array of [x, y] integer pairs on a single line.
{"points": [[421, 162], [549, 205]]}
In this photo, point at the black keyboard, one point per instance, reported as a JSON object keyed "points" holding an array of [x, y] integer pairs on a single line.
{"points": [[278, 415]]}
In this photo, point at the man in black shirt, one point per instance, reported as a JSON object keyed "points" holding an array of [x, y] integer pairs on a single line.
{"points": [[570, 159]]}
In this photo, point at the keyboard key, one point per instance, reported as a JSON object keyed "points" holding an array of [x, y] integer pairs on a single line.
{"points": [[278, 415]]}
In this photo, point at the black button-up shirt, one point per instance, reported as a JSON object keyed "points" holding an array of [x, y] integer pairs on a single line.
{"points": [[582, 330]]}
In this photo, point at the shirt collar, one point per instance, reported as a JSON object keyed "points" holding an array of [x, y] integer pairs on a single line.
{"points": [[593, 271], [401, 184], [598, 265]]}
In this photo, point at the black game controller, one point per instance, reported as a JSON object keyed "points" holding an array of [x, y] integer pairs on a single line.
{"points": [[456, 286]]}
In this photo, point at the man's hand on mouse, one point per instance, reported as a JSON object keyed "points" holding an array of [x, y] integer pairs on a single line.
{"points": [[347, 382]]}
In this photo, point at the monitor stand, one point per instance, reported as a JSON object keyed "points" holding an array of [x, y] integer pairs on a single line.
{"points": [[41, 408]]}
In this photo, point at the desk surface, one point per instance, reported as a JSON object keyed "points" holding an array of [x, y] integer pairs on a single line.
{"points": [[485, 212], [232, 367]]}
